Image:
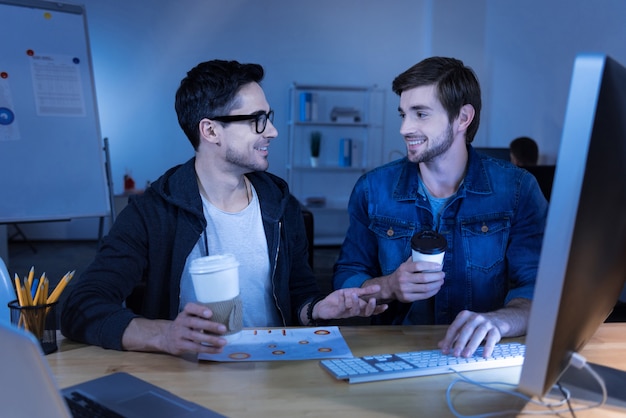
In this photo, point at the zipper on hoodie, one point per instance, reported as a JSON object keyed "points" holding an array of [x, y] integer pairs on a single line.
{"points": [[282, 315]]}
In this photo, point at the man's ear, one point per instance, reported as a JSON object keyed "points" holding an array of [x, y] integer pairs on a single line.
{"points": [[466, 116], [208, 131]]}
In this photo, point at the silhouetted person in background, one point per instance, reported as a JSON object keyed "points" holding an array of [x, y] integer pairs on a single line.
{"points": [[524, 151]]}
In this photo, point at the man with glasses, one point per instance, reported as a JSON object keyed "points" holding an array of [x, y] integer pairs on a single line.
{"points": [[221, 201]]}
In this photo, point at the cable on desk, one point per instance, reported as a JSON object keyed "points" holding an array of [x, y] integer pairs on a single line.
{"points": [[576, 360]]}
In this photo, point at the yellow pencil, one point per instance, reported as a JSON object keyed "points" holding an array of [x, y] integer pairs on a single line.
{"points": [[58, 289], [18, 290], [54, 296], [20, 299], [31, 276], [27, 296], [44, 295]]}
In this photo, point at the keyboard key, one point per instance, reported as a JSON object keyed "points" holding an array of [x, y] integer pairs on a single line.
{"points": [[420, 363]]}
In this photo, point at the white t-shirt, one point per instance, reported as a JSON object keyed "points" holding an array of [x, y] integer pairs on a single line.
{"points": [[241, 234]]}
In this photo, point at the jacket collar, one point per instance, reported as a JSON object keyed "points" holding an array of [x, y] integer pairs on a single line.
{"points": [[475, 180], [179, 186], [272, 191]]}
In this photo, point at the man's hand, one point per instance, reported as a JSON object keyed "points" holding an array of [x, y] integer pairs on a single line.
{"points": [[410, 282], [191, 331], [347, 303], [470, 329]]}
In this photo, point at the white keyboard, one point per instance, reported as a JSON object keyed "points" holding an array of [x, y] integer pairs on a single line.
{"points": [[420, 363]]}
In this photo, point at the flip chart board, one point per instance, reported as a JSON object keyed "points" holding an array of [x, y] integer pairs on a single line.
{"points": [[52, 163]]}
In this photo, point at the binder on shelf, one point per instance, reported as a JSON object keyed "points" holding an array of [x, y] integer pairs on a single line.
{"points": [[306, 106], [345, 152]]}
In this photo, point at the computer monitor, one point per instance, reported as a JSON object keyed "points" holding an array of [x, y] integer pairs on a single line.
{"points": [[583, 258]]}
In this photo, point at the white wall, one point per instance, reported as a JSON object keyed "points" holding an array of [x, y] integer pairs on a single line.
{"points": [[530, 49], [522, 52], [141, 52]]}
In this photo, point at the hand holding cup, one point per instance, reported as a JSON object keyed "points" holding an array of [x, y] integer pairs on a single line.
{"points": [[216, 284], [429, 246]]}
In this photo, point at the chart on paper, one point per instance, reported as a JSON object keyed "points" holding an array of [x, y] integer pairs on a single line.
{"points": [[280, 344]]}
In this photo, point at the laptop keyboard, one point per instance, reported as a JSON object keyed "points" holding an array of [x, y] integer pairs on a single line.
{"points": [[83, 407], [420, 363]]}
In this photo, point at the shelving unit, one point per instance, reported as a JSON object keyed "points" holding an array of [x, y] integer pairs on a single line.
{"points": [[350, 122]]}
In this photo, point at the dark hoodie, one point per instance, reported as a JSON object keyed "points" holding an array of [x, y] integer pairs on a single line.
{"points": [[150, 242]]}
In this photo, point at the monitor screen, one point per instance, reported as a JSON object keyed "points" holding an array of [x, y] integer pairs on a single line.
{"points": [[582, 267]]}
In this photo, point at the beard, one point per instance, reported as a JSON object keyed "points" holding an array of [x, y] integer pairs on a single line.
{"points": [[245, 161], [442, 144]]}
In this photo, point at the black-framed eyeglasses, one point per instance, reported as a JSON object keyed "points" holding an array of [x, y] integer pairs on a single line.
{"points": [[259, 118]]}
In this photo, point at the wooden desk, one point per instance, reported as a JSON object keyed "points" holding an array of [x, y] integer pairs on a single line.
{"points": [[302, 388]]}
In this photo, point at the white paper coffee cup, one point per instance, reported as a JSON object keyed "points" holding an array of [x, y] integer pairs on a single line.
{"points": [[433, 258], [428, 246], [215, 277], [216, 284]]}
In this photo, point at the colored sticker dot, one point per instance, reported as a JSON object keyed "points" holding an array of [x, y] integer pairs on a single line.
{"points": [[30, 52], [6, 116], [4, 75], [239, 356], [47, 15]]}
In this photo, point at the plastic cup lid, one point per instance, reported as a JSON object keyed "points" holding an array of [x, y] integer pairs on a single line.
{"points": [[429, 242]]}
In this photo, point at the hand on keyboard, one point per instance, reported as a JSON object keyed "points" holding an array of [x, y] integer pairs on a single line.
{"points": [[420, 363]]}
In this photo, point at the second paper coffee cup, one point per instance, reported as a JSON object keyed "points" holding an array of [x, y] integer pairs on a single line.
{"points": [[216, 284], [428, 246]]}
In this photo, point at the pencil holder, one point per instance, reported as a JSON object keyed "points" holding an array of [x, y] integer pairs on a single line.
{"points": [[40, 320]]}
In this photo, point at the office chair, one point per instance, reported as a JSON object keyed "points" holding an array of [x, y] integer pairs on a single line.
{"points": [[7, 294], [545, 177], [307, 216]]}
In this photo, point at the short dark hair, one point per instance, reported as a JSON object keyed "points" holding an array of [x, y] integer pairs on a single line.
{"points": [[525, 150], [457, 85], [209, 90]]}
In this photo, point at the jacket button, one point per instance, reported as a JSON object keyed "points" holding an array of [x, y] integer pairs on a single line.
{"points": [[484, 228], [390, 232]]}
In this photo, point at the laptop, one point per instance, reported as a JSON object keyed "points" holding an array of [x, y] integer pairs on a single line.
{"points": [[28, 388]]}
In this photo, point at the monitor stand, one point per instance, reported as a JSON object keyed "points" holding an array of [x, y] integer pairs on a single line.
{"points": [[583, 386]]}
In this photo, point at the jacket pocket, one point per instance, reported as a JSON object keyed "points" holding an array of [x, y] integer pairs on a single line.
{"points": [[394, 241], [485, 241]]}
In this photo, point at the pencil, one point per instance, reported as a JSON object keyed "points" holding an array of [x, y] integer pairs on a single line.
{"points": [[27, 296], [31, 275], [54, 296], [18, 290], [44, 295]]}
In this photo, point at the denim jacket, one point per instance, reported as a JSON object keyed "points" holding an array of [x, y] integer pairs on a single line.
{"points": [[493, 225]]}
